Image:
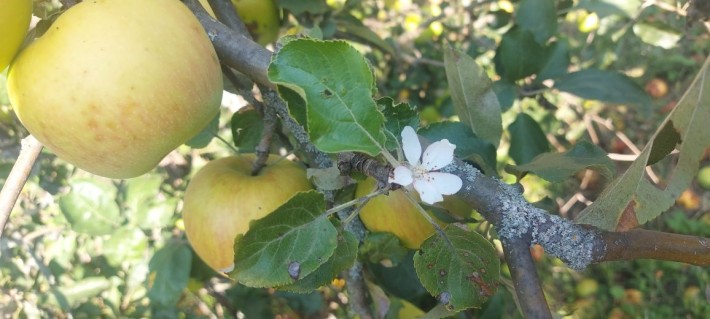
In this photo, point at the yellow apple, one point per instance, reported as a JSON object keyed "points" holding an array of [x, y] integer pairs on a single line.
{"points": [[395, 214], [261, 17], [115, 85], [223, 197], [14, 20]]}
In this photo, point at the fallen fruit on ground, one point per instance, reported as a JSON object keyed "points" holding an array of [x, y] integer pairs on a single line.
{"points": [[15, 18], [115, 85], [223, 197]]}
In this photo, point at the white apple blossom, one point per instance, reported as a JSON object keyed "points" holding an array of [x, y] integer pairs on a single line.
{"points": [[427, 181]]}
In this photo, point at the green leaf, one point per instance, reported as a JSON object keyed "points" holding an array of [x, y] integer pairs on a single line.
{"points": [[556, 167], [661, 36], [352, 26], [474, 100], [557, 63], [156, 215], [539, 17], [90, 207], [337, 85], [400, 280], [631, 199], [139, 192], [337, 263], [605, 86], [70, 295], [247, 127], [468, 145], [397, 117], [461, 271], [171, 269], [511, 63], [383, 248], [328, 179], [205, 136], [506, 92], [146, 207], [127, 244], [298, 7], [286, 245], [527, 139], [605, 8]]}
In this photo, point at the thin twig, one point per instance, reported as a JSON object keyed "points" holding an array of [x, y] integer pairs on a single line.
{"points": [[531, 299], [233, 48], [267, 133], [14, 183], [226, 13]]}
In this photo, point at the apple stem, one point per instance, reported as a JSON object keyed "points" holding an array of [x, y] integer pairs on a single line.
{"points": [[14, 183]]}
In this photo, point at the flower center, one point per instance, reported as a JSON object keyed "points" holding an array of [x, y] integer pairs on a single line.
{"points": [[419, 172]]}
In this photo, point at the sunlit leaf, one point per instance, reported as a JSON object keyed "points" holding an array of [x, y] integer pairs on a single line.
{"points": [[474, 100], [605, 86], [127, 244], [72, 294], [90, 207], [286, 245], [632, 199], [337, 85], [170, 271], [556, 167], [662, 37], [461, 271]]}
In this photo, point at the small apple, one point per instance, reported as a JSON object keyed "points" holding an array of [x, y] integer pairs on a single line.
{"points": [[394, 213], [15, 18], [115, 85], [704, 177], [223, 197], [261, 17]]}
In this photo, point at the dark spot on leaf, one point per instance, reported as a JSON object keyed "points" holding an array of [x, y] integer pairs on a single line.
{"points": [[444, 298], [294, 270], [628, 218], [430, 266], [327, 93]]}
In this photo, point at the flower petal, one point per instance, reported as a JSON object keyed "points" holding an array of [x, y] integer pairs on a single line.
{"points": [[445, 183], [427, 192], [411, 145], [402, 176], [438, 155]]}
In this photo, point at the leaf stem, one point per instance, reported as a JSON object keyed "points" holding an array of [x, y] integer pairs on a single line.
{"points": [[358, 201]]}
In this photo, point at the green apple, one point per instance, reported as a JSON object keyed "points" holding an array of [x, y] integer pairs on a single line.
{"points": [[223, 197], [15, 18], [704, 177], [261, 17], [115, 85], [394, 213]]}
